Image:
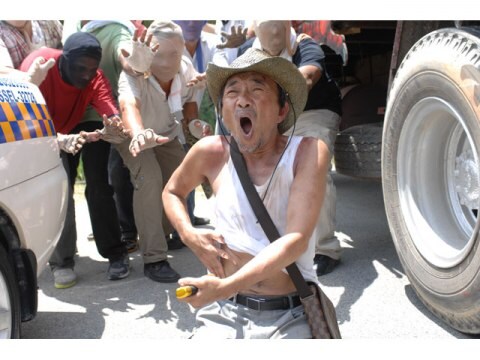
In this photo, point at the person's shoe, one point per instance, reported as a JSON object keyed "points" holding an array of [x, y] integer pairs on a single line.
{"points": [[131, 244], [90, 237], [161, 272], [199, 221], [174, 242], [119, 269], [324, 264], [64, 278]]}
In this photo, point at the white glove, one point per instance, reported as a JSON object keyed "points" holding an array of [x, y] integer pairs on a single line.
{"points": [[141, 55], [145, 139], [70, 143], [37, 72], [113, 130]]}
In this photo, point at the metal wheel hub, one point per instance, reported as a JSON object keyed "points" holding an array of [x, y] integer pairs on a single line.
{"points": [[438, 182], [466, 180]]}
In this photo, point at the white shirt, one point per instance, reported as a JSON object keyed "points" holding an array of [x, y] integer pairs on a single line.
{"points": [[159, 113], [210, 53], [236, 221]]}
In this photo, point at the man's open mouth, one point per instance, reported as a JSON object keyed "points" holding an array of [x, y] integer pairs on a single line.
{"points": [[246, 125]]}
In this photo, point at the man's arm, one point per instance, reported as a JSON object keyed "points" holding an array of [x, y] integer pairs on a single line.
{"points": [[202, 162], [190, 112], [312, 60], [103, 100], [132, 119], [312, 74], [307, 192]]}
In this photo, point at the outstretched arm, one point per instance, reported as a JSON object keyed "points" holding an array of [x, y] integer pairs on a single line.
{"points": [[203, 161], [132, 120], [307, 192]]}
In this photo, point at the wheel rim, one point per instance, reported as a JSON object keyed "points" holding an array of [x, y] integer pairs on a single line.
{"points": [[5, 310], [438, 182]]}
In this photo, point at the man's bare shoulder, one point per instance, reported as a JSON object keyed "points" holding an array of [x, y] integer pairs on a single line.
{"points": [[211, 149], [311, 150], [309, 144]]}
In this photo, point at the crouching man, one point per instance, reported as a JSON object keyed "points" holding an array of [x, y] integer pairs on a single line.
{"points": [[251, 295]]}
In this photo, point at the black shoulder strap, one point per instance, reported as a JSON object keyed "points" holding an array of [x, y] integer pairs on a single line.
{"points": [[263, 216]]}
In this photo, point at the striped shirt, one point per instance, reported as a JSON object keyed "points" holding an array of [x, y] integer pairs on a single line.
{"points": [[14, 48]]}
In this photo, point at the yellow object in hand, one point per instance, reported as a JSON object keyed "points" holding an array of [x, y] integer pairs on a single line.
{"points": [[185, 291]]}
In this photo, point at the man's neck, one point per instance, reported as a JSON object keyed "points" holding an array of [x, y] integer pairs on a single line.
{"points": [[266, 151], [191, 47], [261, 163], [26, 30], [165, 85]]}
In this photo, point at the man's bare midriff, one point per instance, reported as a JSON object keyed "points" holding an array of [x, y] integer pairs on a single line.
{"points": [[279, 283]]}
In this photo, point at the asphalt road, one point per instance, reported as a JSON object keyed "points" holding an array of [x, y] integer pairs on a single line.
{"points": [[373, 297]]}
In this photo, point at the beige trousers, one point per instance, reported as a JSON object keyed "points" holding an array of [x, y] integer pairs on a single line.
{"points": [[149, 173], [323, 124]]}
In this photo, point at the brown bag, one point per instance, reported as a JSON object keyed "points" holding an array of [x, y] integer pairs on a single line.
{"points": [[321, 315], [320, 312]]}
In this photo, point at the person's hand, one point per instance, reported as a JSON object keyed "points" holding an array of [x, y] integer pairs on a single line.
{"points": [[199, 81], [145, 139], [199, 128], [71, 143], [142, 54], [236, 38], [210, 248], [113, 130], [37, 72], [210, 289]]}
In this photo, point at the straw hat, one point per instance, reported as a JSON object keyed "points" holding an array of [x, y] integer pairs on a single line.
{"points": [[282, 71]]}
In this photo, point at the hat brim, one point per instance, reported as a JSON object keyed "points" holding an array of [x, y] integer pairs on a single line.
{"points": [[282, 71]]}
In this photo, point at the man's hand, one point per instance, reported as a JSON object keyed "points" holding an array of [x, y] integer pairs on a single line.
{"points": [[142, 54], [113, 130], [37, 72], [210, 248], [199, 128], [71, 143], [199, 81], [210, 289], [145, 139], [236, 38]]}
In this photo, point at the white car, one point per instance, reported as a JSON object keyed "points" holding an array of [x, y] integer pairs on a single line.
{"points": [[33, 195]]}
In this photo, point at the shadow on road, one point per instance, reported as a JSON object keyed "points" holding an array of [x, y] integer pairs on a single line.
{"points": [[362, 227], [134, 298]]}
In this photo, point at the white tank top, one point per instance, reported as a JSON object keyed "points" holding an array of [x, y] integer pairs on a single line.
{"points": [[236, 221]]}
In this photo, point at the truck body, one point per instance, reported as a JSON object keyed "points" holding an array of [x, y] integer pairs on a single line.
{"points": [[412, 120]]}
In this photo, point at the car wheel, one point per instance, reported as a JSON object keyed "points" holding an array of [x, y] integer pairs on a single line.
{"points": [[430, 173], [10, 311], [357, 151]]}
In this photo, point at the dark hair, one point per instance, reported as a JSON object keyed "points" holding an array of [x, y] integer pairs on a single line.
{"points": [[282, 96]]}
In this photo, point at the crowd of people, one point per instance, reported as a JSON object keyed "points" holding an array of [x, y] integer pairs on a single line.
{"points": [[122, 95]]}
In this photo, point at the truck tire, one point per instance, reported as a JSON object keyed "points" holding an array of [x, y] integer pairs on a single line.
{"points": [[10, 312], [357, 151], [430, 173]]}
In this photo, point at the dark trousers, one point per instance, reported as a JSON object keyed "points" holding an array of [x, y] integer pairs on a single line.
{"points": [[99, 196], [119, 178], [64, 252]]}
